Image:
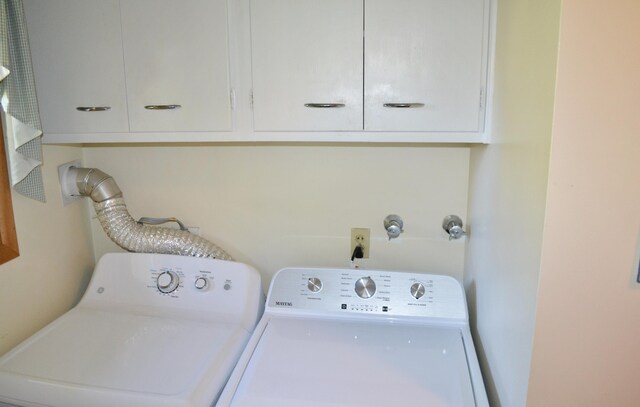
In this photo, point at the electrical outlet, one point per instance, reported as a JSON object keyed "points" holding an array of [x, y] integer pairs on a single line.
{"points": [[360, 236]]}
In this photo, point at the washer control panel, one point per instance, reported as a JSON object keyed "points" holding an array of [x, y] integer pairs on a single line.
{"points": [[373, 292]]}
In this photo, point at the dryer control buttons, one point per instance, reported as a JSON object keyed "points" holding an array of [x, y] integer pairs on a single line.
{"points": [[314, 284], [417, 290], [365, 287], [168, 281], [201, 283]]}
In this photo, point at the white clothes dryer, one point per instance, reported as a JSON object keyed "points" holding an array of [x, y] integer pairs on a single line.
{"points": [[349, 337], [151, 330]]}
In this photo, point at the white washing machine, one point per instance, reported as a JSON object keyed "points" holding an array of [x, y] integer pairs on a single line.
{"points": [[151, 330], [344, 337]]}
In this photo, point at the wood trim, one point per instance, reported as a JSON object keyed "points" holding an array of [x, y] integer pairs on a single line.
{"points": [[8, 237]]}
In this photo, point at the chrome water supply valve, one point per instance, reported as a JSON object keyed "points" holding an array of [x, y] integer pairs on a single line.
{"points": [[393, 224], [452, 224]]}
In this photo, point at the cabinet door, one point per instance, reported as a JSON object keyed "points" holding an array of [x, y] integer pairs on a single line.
{"points": [[425, 52], [76, 48], [176, 55], [307, 64]]}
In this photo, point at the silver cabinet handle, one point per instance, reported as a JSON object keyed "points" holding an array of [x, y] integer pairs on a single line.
{"points": [[93, 108], [324, 105], [162, 107], [403, 105]]}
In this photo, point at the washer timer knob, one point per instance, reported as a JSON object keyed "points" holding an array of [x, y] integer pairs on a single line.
{"points": [[365, 287], [314, 284], [167, 282], [417, 290]]}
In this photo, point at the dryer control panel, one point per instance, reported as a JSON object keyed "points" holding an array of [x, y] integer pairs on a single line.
{"points": [[373, 292], [171, 285]]}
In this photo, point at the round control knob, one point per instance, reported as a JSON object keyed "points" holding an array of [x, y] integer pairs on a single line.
{"points": [[167, 282], [201, 283], [417, 290], [314, 284], [365, 287]]}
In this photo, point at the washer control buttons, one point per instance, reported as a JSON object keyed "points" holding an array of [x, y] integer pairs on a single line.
{"points": [[201, 283], [167, 282], [365, 287], [314, 284], [417, 290]]}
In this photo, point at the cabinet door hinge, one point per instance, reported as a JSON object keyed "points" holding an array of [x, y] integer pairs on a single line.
{"points": [[251, 98], [481, 98]]}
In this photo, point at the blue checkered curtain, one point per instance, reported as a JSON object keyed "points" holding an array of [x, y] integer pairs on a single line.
{"points": [[19, 104]]}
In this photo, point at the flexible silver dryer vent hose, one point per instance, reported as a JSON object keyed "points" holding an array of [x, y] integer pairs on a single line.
{"points": [[129, 234]]}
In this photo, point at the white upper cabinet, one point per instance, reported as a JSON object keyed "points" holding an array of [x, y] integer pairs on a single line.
{"points": [[76, 48], [424, 65], [176, 64], [307, 64], [262, 70], [369, 65], [130, 66]]}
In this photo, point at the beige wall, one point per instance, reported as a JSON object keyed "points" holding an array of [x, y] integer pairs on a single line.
{"points": [[270, 206], [55, 260], [275, 206], [507, 198], [587, 340]]}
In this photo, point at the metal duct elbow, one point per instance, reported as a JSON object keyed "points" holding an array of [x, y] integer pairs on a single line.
{"points": [[129, 234], [96, 184]]}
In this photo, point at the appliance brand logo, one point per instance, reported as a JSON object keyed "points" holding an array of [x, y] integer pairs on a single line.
{"points": [[284, 303]]}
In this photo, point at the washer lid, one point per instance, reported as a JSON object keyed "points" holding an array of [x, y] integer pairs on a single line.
{"points": [[340, 363], [115, 357]]}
